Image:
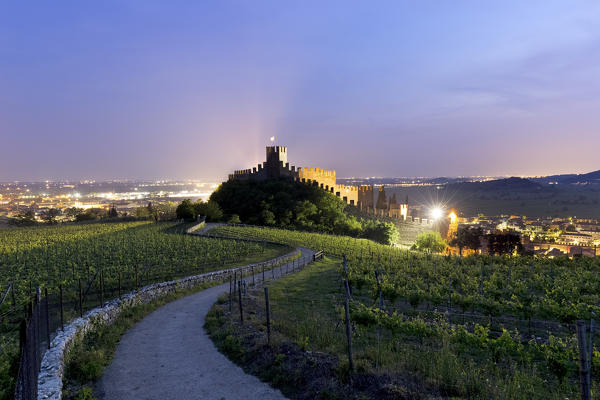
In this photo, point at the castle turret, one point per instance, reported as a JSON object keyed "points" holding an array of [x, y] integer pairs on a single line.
{"points": [[381, 199], [276, 154]]}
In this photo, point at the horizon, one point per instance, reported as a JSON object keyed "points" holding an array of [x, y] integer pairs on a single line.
{"points": [[140, 91], [191, 180]]}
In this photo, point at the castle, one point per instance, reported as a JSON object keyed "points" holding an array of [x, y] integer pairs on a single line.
{"points": [[277, 166]]}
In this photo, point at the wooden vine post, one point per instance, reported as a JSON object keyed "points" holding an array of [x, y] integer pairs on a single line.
{"points": [[230, 291], [240, 302], [347, 315], [378, 323], [268, 309], [449, 298], [584, 372]]}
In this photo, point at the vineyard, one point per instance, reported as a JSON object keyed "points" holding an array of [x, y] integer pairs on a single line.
{"points": [[88, 264], [449, 321]]}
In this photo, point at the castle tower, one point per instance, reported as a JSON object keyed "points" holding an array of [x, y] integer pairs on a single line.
{"points": [[381, 199], [276, 161], [365, 198], [275, 154]]}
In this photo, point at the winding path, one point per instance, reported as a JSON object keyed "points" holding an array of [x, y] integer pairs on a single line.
{"points": [[168, 355]]}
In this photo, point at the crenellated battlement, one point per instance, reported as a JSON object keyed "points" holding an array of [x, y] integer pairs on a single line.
{"points": [[277, 166]]}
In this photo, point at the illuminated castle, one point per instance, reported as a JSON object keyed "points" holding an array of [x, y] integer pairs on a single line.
{"points": [[277, 166]]}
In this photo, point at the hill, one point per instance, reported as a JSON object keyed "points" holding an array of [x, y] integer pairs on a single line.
{"points": [[513, 183], [590, 178], [291, 204]]}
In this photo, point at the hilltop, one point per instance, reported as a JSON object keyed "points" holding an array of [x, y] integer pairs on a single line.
{"points": [[292, 204]]}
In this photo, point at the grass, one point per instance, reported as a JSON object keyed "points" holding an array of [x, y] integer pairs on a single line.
{"points": [[307, 311]]}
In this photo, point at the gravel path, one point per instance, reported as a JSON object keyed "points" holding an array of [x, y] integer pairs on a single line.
{"points": [[168, 355]]}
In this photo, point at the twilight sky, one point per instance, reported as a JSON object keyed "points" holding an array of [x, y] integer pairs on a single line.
{"points": [[194, 89]]}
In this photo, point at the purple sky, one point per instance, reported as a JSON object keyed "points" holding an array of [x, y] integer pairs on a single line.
{"points": [[194, 89]]}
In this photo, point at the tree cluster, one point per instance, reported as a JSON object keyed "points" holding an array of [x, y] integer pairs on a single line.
{"points": [[472, 237], [189, 210], [294, 205], [430, 242]]}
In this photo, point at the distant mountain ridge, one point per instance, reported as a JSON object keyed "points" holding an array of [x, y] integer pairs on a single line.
{"points": [[472, 182], [568, 179], [513, 183]]}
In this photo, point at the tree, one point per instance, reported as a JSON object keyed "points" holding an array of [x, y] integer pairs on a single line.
{"points": [[24, 219], [267, 217], [72, 212], [468, 237], [185, 210], [88, 215], [142, 212], [381, 232], [165, 211], [112, 212], [430, 242], [234, 219], [306, 214], [209, 209], [291, 204], [49, 216], [504, 243]]}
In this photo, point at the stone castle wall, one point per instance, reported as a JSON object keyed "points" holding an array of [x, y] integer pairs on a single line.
{"points": [[277, 166]]}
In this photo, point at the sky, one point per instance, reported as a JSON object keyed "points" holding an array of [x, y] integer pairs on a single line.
{"points": [[195, 89]]}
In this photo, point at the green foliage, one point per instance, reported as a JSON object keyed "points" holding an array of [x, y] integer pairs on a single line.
{"points": [[142, 212], [23, 219], [112, 212], [49, 216], [85, 393], [380, 232], [282, 202], [566, 291], [8, 370], [430, 242], [72, 212], [89, 215], [504, 243], [189, 210], [234, 219], [468, 237], [468, 360], [186, 210], [291, 204], [209, 209]]}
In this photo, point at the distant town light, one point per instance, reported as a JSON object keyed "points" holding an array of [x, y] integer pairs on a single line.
{"points": [[272, 138]]}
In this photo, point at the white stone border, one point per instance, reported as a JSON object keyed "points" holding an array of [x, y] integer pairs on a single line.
{"points": [[194, 228], [50, 378]]}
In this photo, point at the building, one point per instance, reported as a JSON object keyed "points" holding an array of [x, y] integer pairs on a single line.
{"points": [[277, 166]]}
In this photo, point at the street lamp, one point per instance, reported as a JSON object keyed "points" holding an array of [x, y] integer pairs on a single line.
{"points": [[436, 213]]}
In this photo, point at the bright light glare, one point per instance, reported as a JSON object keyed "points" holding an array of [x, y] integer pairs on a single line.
{"points": [[436, 213]]}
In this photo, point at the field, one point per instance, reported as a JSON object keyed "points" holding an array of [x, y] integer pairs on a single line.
{"points": [[466, 328], [101, 261]]}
